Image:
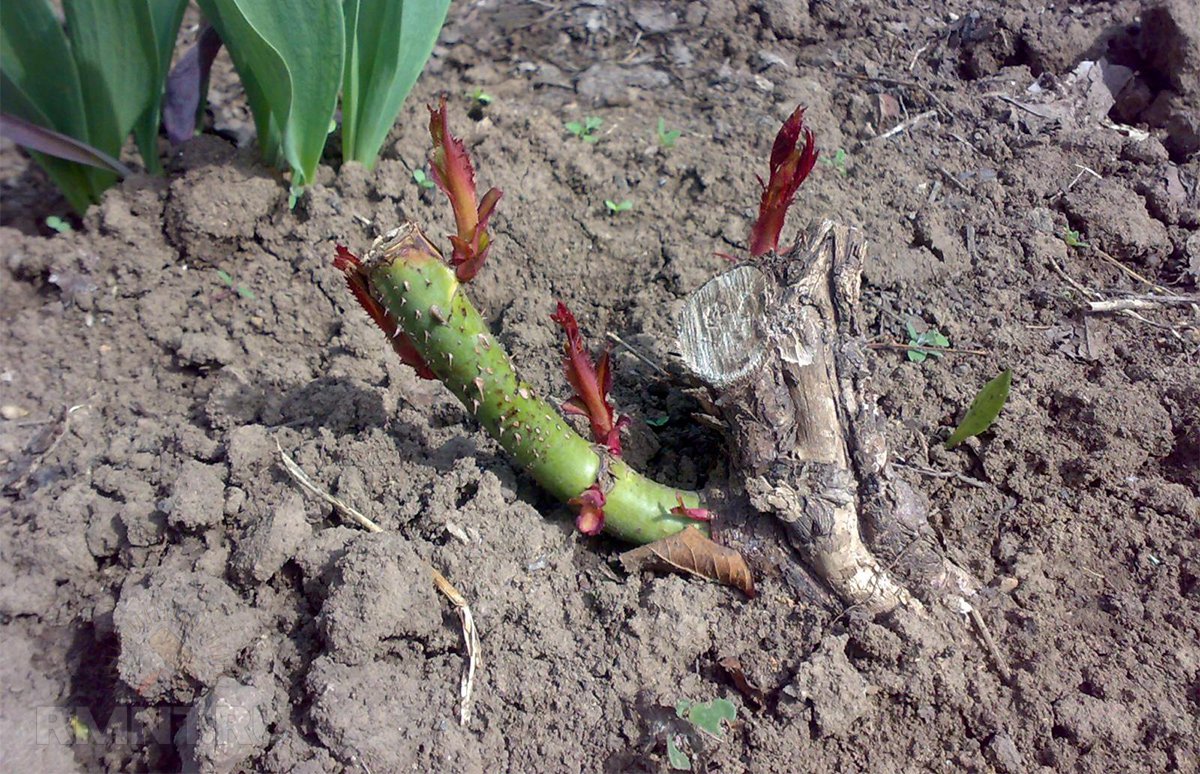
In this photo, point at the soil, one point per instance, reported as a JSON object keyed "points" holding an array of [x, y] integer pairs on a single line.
{"points": [[171, 599]]}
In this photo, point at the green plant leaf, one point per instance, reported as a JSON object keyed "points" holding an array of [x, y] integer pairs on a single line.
{"points": [[708, 716], [930, 338], [677, 759], [266, 123], [40, 84], [114, 49], [289, 56], [984, 409], [165, 17], [35, 56], [387, 45], [58, 224]]}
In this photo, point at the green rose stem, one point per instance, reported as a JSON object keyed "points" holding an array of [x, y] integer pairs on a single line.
{"points": [[411, 292]]}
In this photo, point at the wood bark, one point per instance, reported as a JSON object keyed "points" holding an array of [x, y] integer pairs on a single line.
{"points": [[778, 344]]}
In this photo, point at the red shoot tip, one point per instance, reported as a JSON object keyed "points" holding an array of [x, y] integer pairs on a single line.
{"points": [[591, 510], [455, 176], [696, 514], [349, 265], [790, 164], [591, 384]]}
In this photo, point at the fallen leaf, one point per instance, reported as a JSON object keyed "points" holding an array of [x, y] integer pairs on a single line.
{"points": [[753, 694], [689, 551]]}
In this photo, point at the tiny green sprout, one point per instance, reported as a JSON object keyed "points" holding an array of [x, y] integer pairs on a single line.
{"points": [[80, 730], [294, 194], [479, 96], [58, 224], [421, 179], [1073, 238], [616, 207], [838, 161], [667, 137], [706, 718], [585, 130], [677, 759], [657, 421], [930, 338], [238, 288]]}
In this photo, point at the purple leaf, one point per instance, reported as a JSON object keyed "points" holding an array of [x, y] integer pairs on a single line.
{"points": [[53, 143], [187, 85]]}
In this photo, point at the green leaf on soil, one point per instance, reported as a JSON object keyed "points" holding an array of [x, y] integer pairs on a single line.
{"points": [[657, 421], [984, 409], [58, 224], [667, 137], [930, 338], [677, 759], [707, 716]]}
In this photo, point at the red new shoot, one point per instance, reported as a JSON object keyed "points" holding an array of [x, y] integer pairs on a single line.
{"points": [[351, 267], [591, 384], [790, 164], [591, 510], [454, 174], [695, 514]]}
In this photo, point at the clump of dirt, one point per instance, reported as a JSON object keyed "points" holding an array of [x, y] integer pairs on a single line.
{"points": [[169, 598]]}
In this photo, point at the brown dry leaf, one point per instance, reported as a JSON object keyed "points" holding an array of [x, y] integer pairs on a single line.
{"points": [[691, 552], [753, 694]]}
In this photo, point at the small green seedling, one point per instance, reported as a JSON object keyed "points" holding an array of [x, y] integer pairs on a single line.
{"points": [[667, 137], [657, 421], [421, 179], [1073, 238], [618, 207], [677, 759], [838, 161], [984, 409], [706, 718], [58, 224], [295, 194], [586, 130], [930, 338], [238, 288], [479, 96]]}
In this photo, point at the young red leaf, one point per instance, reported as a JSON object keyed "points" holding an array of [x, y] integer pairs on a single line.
{"points": [[696, 514], [349, 265], [455, 176], [790, 164], [590, 503], [591, 384]]}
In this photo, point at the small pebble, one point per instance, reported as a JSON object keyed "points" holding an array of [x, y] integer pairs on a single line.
{"points": [[10, 412]]}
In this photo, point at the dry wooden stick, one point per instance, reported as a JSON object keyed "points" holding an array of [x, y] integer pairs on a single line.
{"points": [[898, 128], [925, 348], [1122, 267], [1142, 302]]}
